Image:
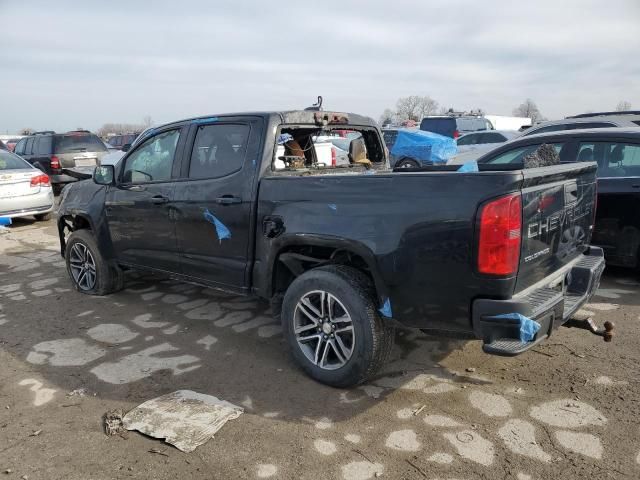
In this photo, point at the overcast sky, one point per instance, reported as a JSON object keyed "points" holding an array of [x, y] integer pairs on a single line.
{"points": [[81, 64]]}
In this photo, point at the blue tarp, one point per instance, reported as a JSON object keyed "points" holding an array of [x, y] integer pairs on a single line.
{"points": [[423, 146], [528, 327]]}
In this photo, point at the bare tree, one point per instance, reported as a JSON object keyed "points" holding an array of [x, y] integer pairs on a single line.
{"points": [[528, 109], [147, 121], [388, 116], [119, 128], [445, 110], [415, 107], [27, 131], [623, 106]]}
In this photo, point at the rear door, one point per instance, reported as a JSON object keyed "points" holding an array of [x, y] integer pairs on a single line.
{"points": [[41, 153], [139, 208], [214, 200], [28, 148], [617, 228]]}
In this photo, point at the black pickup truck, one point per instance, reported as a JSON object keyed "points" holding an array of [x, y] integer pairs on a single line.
{"points": [[239, 202]]}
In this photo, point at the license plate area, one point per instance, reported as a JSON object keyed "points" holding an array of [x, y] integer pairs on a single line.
{"points": [[85, 162]]}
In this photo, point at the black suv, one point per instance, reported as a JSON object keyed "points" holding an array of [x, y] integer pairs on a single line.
{"points": [[617, 152], [52, 152], [453, 126]]}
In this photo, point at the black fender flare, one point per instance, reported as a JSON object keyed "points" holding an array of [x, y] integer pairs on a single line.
{"points": [[100, 232], [338, 243]]}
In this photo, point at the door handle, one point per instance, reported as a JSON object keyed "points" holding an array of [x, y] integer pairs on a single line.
{"points": [[159, 200], [228, 200]]}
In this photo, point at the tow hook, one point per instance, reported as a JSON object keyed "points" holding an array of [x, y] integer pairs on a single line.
{"points": [[588, 324]]}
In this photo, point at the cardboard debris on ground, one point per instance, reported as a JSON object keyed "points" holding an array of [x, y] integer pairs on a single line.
{"points": [[184, 419]]}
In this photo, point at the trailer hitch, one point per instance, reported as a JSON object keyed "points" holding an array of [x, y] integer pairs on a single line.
{"points": [[588, 324]]}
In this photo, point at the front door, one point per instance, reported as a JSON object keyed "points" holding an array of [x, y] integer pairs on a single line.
{"points": [[214, 199], [138, 208]]}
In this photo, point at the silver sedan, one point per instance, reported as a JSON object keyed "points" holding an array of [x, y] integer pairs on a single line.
{"points": [[24, 190]]}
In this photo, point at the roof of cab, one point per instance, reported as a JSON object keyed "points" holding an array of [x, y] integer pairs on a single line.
{"points": [[288, 116], [600, 132]]}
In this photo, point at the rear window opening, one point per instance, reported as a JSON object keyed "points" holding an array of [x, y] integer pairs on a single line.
{"points": [[73, 143], [303, 149]]}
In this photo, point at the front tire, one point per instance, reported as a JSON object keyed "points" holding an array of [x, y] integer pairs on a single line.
{"points": [[89, 272], [332, 326]]}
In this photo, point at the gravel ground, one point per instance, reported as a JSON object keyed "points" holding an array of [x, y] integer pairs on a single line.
{"points": [[441, 409]]}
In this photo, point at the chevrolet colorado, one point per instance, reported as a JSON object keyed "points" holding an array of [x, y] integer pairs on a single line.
{"points": [[344, 252]]}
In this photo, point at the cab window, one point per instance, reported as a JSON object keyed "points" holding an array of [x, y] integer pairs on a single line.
{"points": [[218, 150], [153, 160], [615, 159]]}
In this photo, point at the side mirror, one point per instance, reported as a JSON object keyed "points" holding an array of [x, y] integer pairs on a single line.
{"points": [[126, 147], [104, 175]]}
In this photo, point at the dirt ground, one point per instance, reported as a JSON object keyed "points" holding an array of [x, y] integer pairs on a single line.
{"points": [[441, 409]]}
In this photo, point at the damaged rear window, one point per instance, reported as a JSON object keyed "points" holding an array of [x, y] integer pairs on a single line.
{"points": [[300, 148]]}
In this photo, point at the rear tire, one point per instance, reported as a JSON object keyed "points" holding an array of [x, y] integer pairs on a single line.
{"points": [[89, 272], [328, 347], [43, 217]]}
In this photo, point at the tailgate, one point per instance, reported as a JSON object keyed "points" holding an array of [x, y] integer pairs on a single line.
{"points": [[558, 205]]}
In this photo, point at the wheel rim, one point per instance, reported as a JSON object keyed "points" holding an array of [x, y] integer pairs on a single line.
{"points": [[83, 267], [324, 330]]}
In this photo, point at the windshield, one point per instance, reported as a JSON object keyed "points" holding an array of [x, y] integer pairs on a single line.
{"points": [[79, 143], [9, 161]]}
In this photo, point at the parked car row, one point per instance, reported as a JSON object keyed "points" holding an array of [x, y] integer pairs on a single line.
{"points": [[75, 151], [616, 151]]}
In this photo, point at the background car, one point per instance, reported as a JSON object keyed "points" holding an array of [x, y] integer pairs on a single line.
{"points": [[119, 141], [24, 190], [454, 125], [413, 148], [11, 143], [587, 120], [485, 139], [3, 146], [617, 153], [52, 152]]}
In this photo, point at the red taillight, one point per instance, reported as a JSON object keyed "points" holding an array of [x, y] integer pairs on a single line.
{"points": [[333, 156], [456, 134], [55, 163], [40, 180], [500, 235]]}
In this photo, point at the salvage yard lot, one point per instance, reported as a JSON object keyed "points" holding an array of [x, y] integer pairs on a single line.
{"points": [[439, 409]]}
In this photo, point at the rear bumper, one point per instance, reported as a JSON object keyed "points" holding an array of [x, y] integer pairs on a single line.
{"points": [[550, 303]]}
